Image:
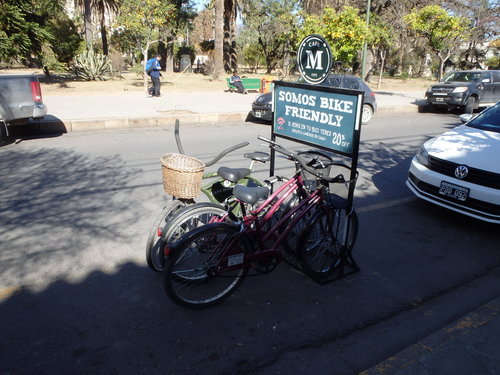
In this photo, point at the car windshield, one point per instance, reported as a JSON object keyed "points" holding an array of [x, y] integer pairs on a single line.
{"points": [[462, 77], [489, 119]]}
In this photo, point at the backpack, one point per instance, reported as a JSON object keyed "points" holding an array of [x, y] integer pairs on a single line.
{"points": [[150, 65]]}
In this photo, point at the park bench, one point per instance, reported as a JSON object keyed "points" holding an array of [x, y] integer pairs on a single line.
{"points": [[248, 84]]}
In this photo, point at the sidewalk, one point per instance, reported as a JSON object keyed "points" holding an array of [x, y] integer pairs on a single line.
{"points": [[465, 347], [130, 110]]}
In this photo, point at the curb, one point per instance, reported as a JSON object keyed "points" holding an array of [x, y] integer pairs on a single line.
{"points": [[54, 125], [410, 359]]}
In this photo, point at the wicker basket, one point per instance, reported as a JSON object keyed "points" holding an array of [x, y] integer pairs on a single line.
{"points": [[182, 175]]}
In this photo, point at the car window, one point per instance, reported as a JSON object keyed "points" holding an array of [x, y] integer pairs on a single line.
{"points": [[351, 83], [332, 81], [487, 120], [463, 77]]}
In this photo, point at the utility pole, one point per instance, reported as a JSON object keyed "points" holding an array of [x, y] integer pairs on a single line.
{"points": [[363, 56]]}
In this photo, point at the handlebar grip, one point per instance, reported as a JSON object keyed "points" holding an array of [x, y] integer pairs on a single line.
{"points": [[225, 152]]}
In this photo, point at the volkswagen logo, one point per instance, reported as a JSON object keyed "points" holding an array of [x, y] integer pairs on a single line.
{"points": [[461, 172]]}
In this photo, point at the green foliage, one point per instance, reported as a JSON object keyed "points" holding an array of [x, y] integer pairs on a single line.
{"points": [[252, 55], [36, 32], [92, 66], [441, 30], [493, 62], [345, 31], [184, 50], [66, 39], [272, 24], [207, 45]]}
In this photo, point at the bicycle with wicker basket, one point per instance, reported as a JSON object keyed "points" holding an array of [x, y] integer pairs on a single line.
{"points": [[208, 263], [183, 177]]}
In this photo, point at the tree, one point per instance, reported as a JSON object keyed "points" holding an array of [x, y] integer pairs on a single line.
{"points": [[36, 32], [143, 21], [103, 7], [274, 26], [219, 39], [345, 31], [382, 41], [443, 32]]}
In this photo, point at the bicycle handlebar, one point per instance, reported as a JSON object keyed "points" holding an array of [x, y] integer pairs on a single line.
{"points": [[292, 156], [214, 160]]}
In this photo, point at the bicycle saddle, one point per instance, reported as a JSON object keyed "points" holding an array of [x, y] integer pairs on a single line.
{"points": [[233, 174], [250, 194], [258, 156]]}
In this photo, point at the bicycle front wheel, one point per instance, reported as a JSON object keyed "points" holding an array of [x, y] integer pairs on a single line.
{"points": [[328, 234], [206, 266], [154, 243]]}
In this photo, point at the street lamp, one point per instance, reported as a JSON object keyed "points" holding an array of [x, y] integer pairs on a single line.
{"points": [[363, 56]]}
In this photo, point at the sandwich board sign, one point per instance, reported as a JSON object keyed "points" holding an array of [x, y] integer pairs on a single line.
{"points": [[318, 116], [315, 114]]}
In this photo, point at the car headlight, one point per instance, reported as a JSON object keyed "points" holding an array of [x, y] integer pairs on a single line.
{"points": [[422, 156], [460, 89], [429, 89]]}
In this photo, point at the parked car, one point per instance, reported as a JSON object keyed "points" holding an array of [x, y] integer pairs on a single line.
{"points": [[466, 90], [459, 170], [20, 100], [262, 106]]}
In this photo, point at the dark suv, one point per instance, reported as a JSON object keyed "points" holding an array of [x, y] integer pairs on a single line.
{"points": [[466, 90]]}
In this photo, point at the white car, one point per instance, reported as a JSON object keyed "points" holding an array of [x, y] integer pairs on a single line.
{"points": [[460, 169]]}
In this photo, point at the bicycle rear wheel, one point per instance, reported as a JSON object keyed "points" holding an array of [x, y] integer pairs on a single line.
{"points": [[154, 243], [329, 233], [190, 218], [206, 266]]}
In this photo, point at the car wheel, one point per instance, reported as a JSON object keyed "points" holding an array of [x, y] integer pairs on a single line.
{"points": [[470, 105], [366, 114]]}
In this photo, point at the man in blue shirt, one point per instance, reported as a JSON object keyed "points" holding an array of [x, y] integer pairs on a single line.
{"points": [[153, 68]]}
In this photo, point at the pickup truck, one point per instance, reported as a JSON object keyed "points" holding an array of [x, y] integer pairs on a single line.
{"points": [[466, 90], [20, 100]]}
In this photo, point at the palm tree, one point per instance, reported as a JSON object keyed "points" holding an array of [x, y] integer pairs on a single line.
{"points": [[103, 7], [219, 38]]}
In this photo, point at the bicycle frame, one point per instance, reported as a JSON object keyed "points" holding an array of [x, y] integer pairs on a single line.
{"points": [[259, 219]]}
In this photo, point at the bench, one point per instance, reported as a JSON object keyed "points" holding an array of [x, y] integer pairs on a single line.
{"points": [[248, 84]]}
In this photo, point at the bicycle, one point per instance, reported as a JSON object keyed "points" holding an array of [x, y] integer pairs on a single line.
{"points": [[216, 191], [208, 263]]}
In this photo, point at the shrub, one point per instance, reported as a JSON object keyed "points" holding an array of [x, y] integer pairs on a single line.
{"points": [[92, 66]]}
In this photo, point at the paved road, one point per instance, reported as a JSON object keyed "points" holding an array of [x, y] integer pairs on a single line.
{"points": [[77, 296]]}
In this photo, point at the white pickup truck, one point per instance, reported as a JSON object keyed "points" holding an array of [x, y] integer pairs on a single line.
{"points": [[20, 100]]}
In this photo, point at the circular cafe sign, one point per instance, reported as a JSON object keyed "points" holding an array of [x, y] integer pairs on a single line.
{"points": [[314, 59]]}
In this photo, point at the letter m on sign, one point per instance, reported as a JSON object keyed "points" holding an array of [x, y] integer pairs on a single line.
{"points": [[314, 60]]}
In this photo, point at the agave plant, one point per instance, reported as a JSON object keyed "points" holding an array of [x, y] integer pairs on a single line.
{"points": [[92, 66]]}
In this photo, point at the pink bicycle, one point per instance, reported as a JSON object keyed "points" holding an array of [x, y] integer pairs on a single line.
{"points": [[302, 217]]}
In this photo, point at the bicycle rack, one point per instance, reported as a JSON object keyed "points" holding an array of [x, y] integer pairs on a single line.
{"points": [[342, 139]]}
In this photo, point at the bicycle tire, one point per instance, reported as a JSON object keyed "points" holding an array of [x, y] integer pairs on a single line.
{"points": [[206, 266], [154, 243], [190, 218], [322, 242]]}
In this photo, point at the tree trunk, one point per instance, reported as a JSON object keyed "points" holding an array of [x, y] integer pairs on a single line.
{"points": [[104, 35], [219, 39], [383, 55], [88, 22]]}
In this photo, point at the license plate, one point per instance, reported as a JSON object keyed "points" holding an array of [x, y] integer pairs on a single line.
{"points": [[454, 191], [439, 99], [257, 113]]}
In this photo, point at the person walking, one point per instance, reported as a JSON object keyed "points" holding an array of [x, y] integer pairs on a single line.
{"points": [[153, 68]]}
